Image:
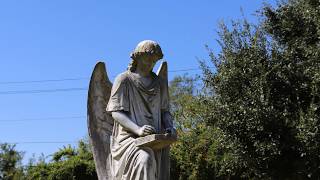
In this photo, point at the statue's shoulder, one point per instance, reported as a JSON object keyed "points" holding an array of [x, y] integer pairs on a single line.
{"points": [[122, 77]]}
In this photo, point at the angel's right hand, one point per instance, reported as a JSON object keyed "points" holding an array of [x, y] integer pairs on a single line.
{"points": [[146, 130]]}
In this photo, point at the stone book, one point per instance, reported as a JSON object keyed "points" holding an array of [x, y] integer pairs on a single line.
{"points": [[155, 141]]}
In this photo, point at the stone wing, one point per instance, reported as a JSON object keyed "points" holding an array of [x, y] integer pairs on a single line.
{"points": [[165, 161], [163, 72], [100, 123]]}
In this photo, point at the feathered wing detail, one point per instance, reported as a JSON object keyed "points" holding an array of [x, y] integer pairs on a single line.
{"points": [[165, 160], [100, 123]]}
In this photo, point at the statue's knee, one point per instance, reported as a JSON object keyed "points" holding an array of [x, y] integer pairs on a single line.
{"points": [[146, 157]]}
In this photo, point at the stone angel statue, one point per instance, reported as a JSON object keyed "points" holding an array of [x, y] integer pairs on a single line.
{"points": [[130, 126]]}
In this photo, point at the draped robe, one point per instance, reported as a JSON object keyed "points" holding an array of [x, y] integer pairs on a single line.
{"points": [[144, 106]]}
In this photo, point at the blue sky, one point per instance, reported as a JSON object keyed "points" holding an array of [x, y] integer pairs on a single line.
{"points": [[59, 39]]}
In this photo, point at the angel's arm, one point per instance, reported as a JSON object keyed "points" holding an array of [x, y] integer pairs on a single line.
{"points": [[123, 119]]}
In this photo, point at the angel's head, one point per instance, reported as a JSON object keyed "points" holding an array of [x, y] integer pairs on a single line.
{"points": [[147, 53]]}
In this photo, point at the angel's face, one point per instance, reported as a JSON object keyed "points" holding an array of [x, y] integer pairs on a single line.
{"points": [[147, 62]]}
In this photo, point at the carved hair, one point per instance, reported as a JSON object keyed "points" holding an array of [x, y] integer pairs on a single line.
{"points": [[146, 47], [132, 65]]}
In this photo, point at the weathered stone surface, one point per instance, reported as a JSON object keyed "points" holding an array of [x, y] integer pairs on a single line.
{"points": [[138, 103], [100, 123], [155, 141]]}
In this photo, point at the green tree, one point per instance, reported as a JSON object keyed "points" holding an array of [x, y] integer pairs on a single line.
{"points": [[189, 156], [266, 95], [10, 162], [67, 164], [295, 26]]}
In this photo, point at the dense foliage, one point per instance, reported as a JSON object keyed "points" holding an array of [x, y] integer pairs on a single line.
{"points": [[10, 161], [67, 163], [261, 119]]}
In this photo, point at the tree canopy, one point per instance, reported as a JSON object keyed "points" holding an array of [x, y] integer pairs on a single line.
{"points": [[67, 163], [261, 117], [10, 161]]}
